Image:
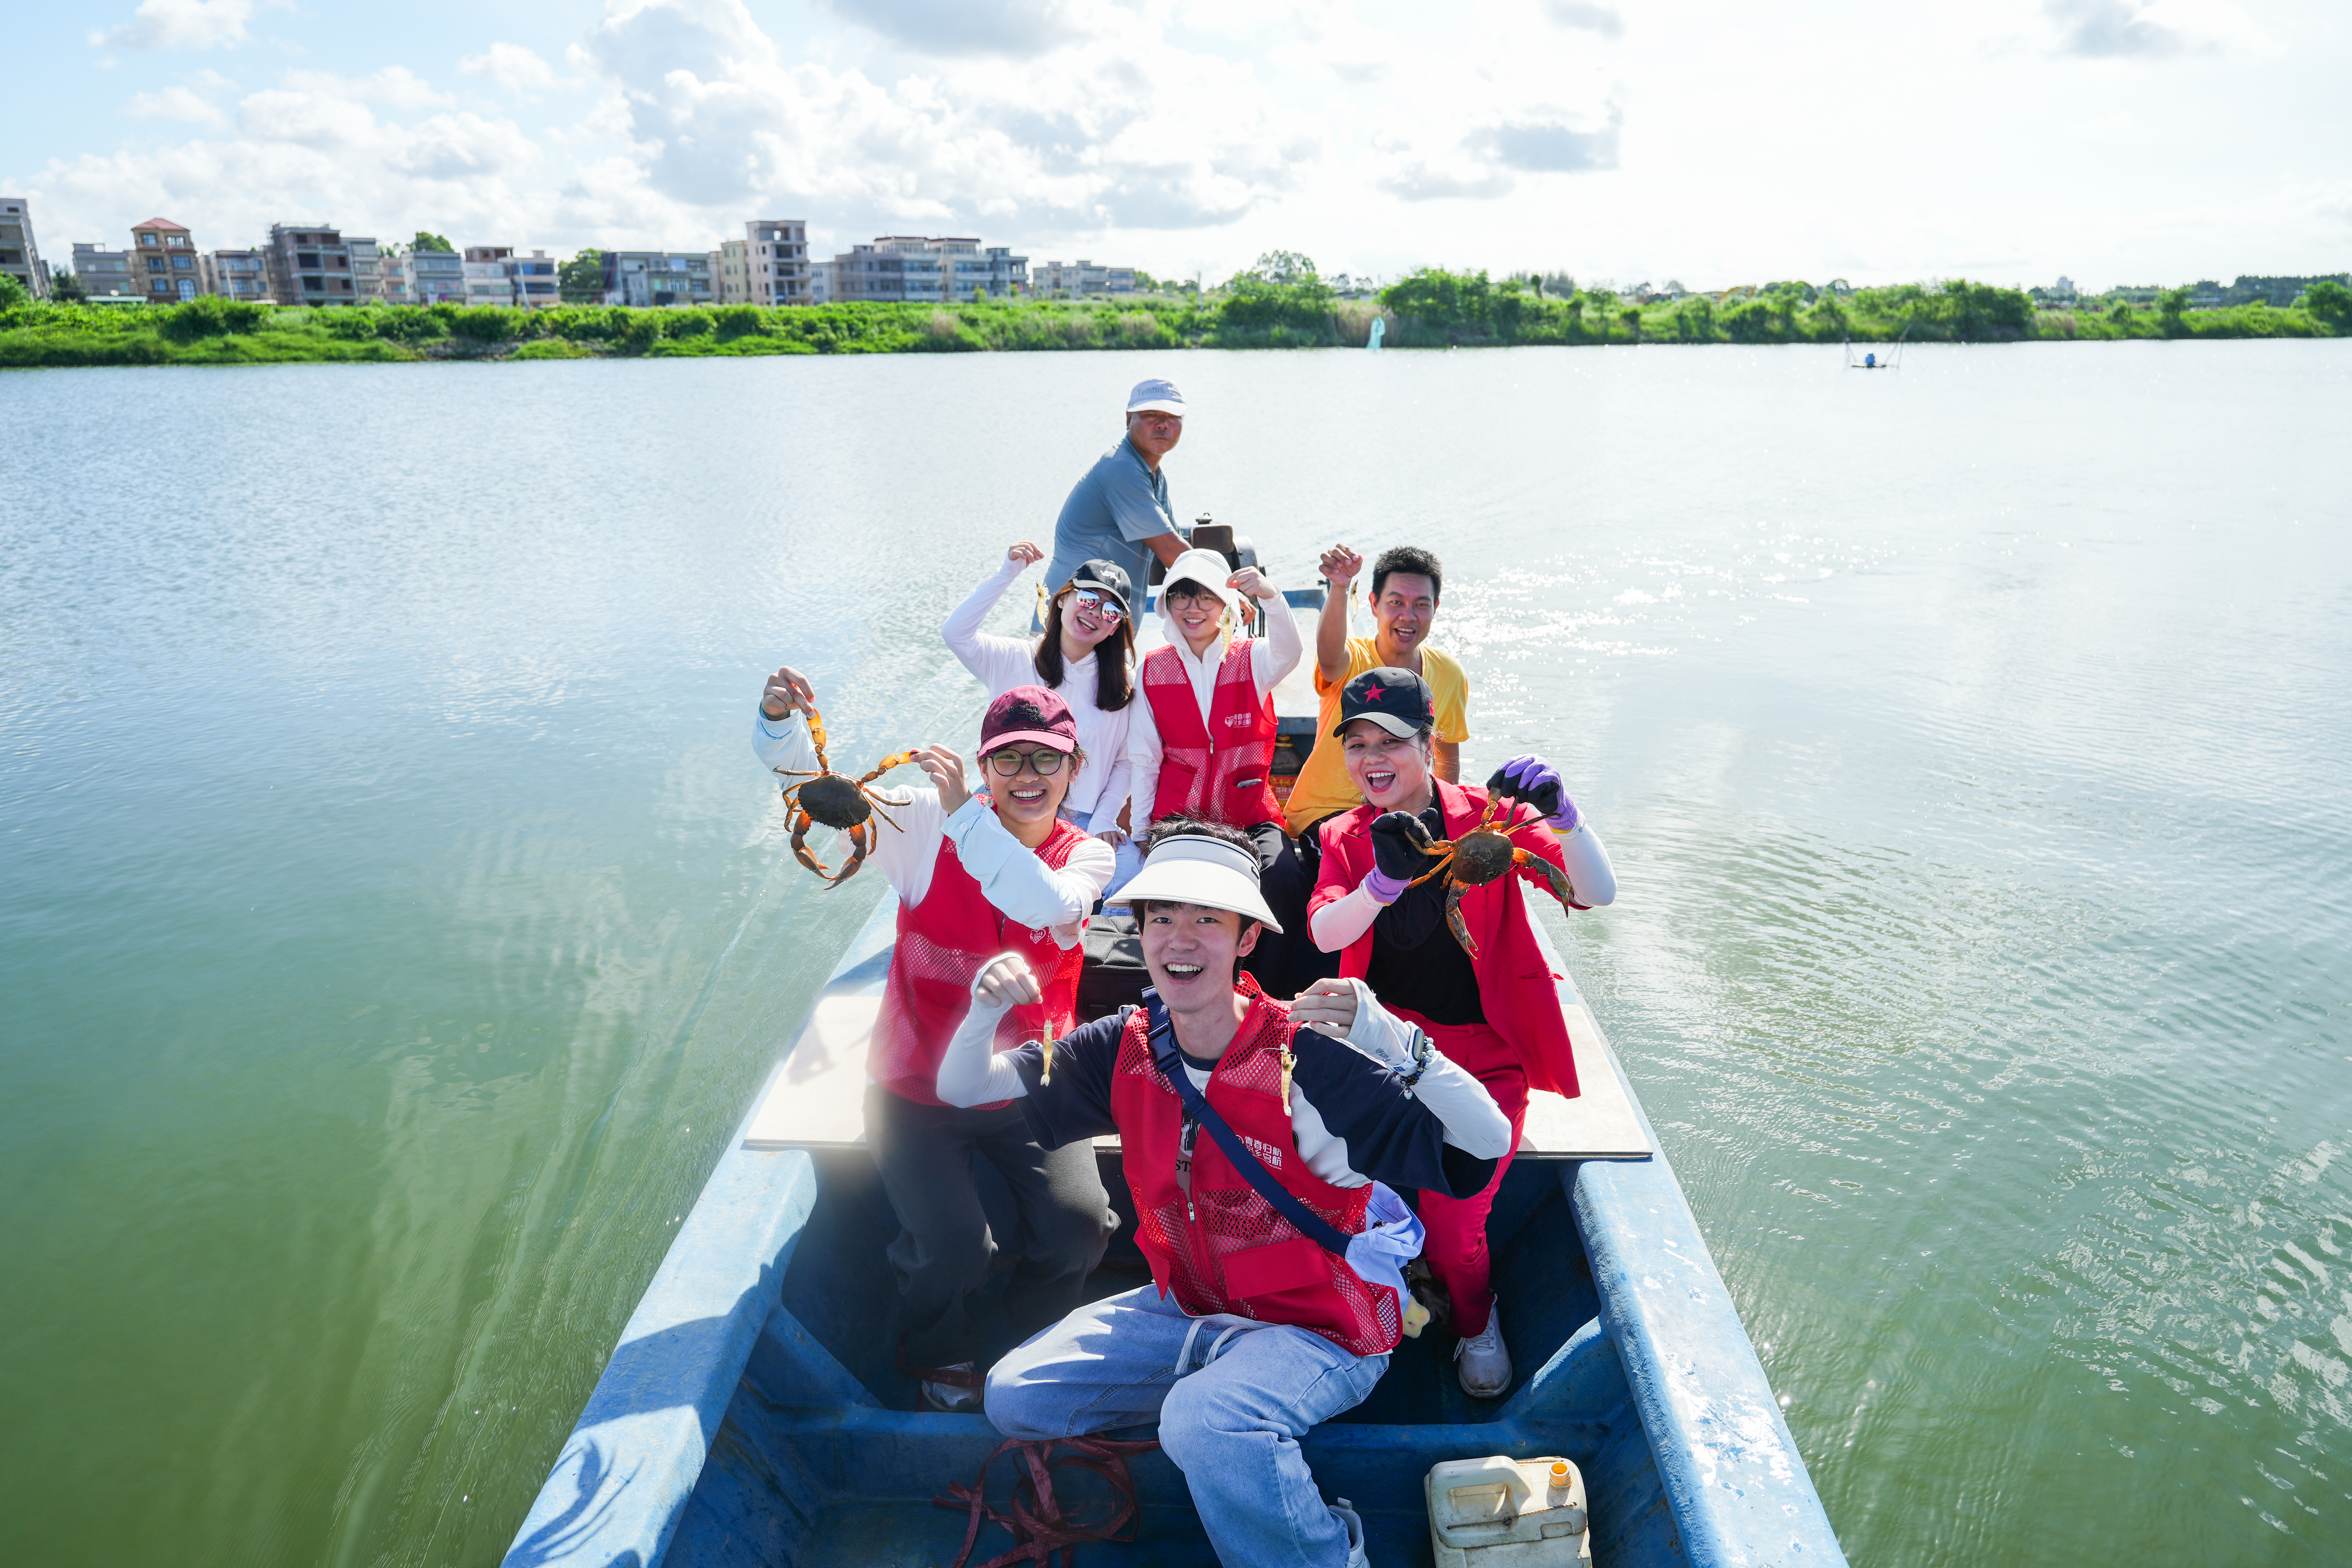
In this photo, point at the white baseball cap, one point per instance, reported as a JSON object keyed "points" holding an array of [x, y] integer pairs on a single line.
{"points": [[1194, 868], [1156, 396]]}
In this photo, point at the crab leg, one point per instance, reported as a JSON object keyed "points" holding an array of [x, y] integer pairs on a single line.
{"points": [[857, 848], [802, 823], [1555, 878], [1442, 847], [894, 760], [1455, 923]]}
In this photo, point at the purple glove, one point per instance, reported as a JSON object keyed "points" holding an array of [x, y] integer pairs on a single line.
{"points": [[1537, 781], [1382, 887]]}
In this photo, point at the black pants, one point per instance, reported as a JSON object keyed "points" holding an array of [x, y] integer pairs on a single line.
{"points": [[944, 1247], [1283, 964]]}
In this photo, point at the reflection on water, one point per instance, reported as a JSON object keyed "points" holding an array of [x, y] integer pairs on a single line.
{"points": [[396, 922]]}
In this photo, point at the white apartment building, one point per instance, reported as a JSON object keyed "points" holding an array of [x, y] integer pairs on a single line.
{"points": [[19, 257], [730, 272], [911, 269], [432, 277], [104, 274], [236, 274], [1080, 280], [776, 261]]}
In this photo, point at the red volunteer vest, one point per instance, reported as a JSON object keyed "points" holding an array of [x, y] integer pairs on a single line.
{"points": [[942, 943], [1517, 985], [1227, 1249], [1221, 770]]}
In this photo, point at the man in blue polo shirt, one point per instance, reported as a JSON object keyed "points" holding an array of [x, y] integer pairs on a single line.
{"points": [[1119, 511]]}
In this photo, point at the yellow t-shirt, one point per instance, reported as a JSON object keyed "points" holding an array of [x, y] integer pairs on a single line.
{"points": [[1323, 785]]}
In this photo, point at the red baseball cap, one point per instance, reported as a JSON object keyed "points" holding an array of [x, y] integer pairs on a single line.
{"points": [[1030, 713]]}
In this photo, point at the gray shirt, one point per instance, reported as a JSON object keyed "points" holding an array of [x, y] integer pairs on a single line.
{"points": [[1118, 504]]}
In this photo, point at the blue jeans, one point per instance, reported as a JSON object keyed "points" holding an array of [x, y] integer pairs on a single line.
{"points": [[1233, 1397]]}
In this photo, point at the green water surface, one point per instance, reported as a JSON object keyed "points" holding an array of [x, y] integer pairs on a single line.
{"points": [[393, 923]]}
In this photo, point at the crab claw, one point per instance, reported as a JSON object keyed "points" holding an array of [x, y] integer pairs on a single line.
{"points": [[1456, 923], [1554, 878]]}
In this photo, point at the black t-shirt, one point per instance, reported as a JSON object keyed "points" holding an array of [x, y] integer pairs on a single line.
{"points": [[1416, 962]]}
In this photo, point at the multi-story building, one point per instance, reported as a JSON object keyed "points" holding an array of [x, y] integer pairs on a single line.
{"points": [[234, 274], [163, 262], [656, 278], [104, 274], [1080, 280], [825, 282], [487, 282], [367, 269], [537, 286], [776, 258], [433, 277], [309, 264], [19, 257], [730, 272], [907, 268]]}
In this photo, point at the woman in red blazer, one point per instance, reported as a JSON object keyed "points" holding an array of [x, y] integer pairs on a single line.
{"points": [[1494, 1010]]}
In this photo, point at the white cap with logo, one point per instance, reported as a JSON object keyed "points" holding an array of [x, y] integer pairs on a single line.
{"points": [[1156, 396]]}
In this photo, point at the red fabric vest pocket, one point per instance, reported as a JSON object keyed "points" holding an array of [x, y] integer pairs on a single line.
{"points": [[1278, 1266]]}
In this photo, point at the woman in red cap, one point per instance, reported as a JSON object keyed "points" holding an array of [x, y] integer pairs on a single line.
{"points": [[1496, 1012], [976, 875]]}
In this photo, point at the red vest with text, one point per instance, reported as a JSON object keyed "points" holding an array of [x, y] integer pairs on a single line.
{"points": [[1225, 1249], [1223, 770], [1517, 985], [942, 943]]}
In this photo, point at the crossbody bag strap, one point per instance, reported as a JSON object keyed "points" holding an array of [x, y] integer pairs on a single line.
{"points": [[1165, 1056]]}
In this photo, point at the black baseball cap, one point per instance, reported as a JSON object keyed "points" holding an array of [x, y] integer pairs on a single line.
{"points": [[1398, 700], [1103, 577]]}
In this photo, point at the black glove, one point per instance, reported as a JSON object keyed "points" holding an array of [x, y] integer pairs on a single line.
{"points": [[1398, 842]]}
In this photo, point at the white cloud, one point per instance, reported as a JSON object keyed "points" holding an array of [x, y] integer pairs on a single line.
{"points": [[2146, 29], [1592, 18], [181, 25], [1017, 27], [512, 66], [175, 103]]}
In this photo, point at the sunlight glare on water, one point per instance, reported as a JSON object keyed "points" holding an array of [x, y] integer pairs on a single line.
{"points": [[396, 924]]}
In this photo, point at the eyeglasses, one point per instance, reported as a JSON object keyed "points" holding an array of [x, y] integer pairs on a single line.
{"points": [[1099, 605], [1007, 763], [1187, 594]]}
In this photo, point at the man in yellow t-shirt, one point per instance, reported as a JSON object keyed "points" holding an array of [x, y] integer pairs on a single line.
{"points": [[1405, 585]]}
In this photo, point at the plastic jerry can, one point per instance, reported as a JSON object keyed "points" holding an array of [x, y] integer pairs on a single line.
{"points": [[1501, 1512]]}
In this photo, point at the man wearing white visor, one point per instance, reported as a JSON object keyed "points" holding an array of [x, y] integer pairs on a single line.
{"points": [[1262, 1142]]}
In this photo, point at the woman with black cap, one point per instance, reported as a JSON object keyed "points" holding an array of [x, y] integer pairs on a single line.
{"points": [[1085, 656]]}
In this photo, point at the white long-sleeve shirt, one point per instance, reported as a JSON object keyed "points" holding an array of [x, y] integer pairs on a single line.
{"points": [[1009, 873], [1272, 656], [1099, 787]]}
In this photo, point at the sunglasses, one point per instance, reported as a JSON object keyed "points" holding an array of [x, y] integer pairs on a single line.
{"points": [[1100, 606], [1045, 763]]}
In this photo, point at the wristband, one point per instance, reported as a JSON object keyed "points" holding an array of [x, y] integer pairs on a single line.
{"points": [[1383, 888]]}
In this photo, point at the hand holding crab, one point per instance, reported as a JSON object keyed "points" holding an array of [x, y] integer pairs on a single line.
{"points": [[1484, 854], [842, 804]]}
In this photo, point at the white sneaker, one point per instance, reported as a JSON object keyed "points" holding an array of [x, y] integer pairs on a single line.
{"points": [[1482, 1362], [950, 1398], [1345, 1512]]}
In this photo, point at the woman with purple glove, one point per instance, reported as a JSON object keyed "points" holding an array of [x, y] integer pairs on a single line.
{"points": [[1494, 1012]]}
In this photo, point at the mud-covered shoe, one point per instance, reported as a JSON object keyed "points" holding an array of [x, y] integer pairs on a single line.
{"points": [[1482, 1362], [1345, 1512], [953, 1398]]}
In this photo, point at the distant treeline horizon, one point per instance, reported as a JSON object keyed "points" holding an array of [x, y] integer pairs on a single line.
{"points": [[1284, 305]]}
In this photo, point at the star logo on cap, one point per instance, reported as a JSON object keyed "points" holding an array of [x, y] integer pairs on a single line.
{"points": [[1374, 693]]}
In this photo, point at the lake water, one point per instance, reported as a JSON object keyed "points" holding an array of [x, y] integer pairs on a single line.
{"points": [[394, 922]]}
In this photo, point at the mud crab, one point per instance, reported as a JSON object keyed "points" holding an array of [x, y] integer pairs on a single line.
{"points": [[1482, 856], [840, 803]]}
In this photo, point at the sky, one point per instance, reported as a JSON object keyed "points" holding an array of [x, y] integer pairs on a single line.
{"points": [[1629, 140]]}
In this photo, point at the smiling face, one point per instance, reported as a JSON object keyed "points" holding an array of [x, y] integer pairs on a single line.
{"points": [[1404, 611], [1392, 771], [1196, 610], [1190, 951], [1027, 800], [1086, 620]]}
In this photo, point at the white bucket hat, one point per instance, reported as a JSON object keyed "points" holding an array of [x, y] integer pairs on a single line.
{"points": [[1194, 868], [1208, 568]]}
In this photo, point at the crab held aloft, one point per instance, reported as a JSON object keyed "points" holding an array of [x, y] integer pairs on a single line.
{"points": [[840, 803], [1484, 854]]}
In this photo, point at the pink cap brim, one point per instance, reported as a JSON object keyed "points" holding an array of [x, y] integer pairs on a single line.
{"points": [[1061, 743]]}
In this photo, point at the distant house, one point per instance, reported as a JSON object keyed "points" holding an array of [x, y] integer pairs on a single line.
{"points": [[235, 274], [433, 277], [164, 268], [775, 261], [657, 277], [1080, 280], [910, 269], [105, 274], [310, 264], [19, 257]]}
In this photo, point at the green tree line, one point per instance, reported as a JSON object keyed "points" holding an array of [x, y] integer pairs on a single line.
{"points": [[1280, 303]]}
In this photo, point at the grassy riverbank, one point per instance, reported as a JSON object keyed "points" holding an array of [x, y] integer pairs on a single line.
{"points": [[1432, 308]]}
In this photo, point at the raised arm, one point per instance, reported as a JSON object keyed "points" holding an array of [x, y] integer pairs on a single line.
{"points": [[983, 654], [1574, 847], [1274, 656], [973, 1072], [1009, 873], [1339, 566]]}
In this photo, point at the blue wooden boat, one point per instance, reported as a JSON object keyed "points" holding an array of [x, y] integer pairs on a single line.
{"points": [[754, 1413]]}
